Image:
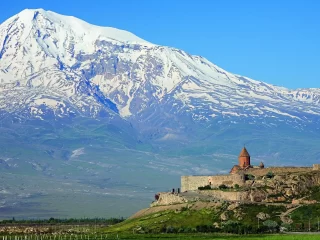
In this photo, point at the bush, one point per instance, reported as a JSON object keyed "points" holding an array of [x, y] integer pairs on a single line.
{"points": [[171, 229], [231, 226], [271, 225], [248, 177], [208, 187], [269, 175], [285, 227], [184, 209], [222, 186], [236, 186]]}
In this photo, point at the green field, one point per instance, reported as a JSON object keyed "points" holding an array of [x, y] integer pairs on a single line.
{"points": [[164, 236], [225, 237]]}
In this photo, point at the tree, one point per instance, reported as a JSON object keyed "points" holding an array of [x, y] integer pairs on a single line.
{"points": [[231, 226], [272, 225]]}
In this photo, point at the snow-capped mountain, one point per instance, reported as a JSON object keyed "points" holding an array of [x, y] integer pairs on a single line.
{"points": [[69, 66], [98, 109]]}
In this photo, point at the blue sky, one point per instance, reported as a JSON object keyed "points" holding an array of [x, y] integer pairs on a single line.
{"points": [[273, 41]]}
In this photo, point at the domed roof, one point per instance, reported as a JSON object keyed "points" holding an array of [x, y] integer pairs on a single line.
{"points": [[244, 153], [235, 169]]}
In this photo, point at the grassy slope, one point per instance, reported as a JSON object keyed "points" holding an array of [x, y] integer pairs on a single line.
{"points": [[187, 219], [302, 215], [214, 236]]}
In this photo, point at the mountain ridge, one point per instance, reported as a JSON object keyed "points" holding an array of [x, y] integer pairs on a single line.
{"points": [[174, 69], [89, 111]]}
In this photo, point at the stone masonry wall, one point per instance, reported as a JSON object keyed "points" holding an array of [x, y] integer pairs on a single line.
{"points": [[229, 196], [168, 198], [277, 170], [316, 167], [191, 183], [228, 180]]}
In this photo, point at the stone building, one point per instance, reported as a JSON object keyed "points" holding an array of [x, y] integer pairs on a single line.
{"points": [[191, 183], [236, 176], [244, 162], [250, 179]]}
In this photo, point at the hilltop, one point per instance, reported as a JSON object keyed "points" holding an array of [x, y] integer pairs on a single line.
{"points": [[202, 214], [248, 200]]}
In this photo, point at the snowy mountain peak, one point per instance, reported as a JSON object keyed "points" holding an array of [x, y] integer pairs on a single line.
{"points": [[78, 26], [67, 65]]}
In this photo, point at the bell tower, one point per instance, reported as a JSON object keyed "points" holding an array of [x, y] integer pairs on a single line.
{"points": [[244, 158]]}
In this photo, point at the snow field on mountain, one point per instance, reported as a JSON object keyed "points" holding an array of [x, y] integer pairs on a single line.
{"points": [[87, 66]]}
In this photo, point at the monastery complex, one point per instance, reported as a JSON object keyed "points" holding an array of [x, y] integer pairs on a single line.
{"points": [[237, 174], [245, 183]]}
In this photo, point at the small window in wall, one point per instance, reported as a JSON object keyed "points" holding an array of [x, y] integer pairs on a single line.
{"points": [[210, 183]]}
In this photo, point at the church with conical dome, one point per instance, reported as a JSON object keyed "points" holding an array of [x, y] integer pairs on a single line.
{"points": [[244, 158], [244, 162], [236, 176], [241, 184]]}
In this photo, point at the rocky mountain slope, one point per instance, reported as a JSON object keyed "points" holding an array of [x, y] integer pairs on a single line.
{"points": [[286, 198], [64, 63], [83, 102]]}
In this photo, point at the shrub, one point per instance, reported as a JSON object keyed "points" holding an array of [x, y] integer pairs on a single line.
{"points": [[208, 187], [236, 186], [269, 175], [248, 177], [231, 226], [271, 225], [171, 229], [184, 209], [285, 227], [222, 186]]}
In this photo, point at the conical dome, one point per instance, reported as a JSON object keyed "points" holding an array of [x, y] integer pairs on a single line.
{"points": [[244, 153]]}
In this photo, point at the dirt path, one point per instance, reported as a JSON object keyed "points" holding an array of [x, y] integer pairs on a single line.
{"points": [[283, 216]]}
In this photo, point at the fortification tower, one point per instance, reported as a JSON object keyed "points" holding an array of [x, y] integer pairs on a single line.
{"points": [[244, 158]]}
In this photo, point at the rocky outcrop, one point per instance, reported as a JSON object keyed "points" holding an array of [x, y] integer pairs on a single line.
{"points": [[165, 198], [282, 187], [286, 187], [263, 216]]}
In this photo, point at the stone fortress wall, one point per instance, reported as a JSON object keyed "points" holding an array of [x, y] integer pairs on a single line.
{"points": [[191, 183], [229, 196], [166, 198], [316, 167], [169, 198], [278, 170], [238, 175]]}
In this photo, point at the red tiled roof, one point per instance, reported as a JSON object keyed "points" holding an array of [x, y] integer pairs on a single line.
{"points": [[244, 153]]}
